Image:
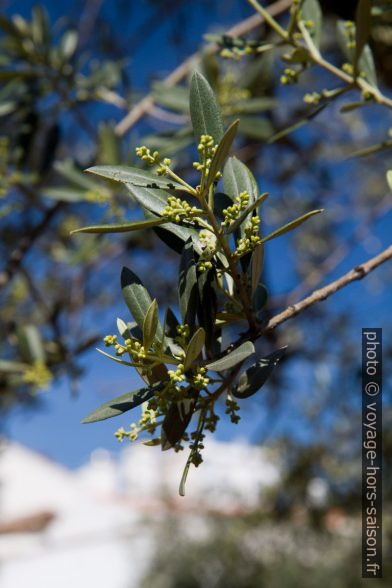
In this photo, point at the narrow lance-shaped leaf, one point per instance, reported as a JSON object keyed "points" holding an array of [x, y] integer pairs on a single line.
{"points": [[222, 152], [311, 11], [121, 228], [149, 198], [187, 284], [137, 299], [362, 29], [150, 325], [134, 176], [292, 225], [122, 404], [256, 376], [303, 120], [233, 358], [205, 113], [177, 419], [173, 235], [194, 347], [257, 266], [238, 178]]}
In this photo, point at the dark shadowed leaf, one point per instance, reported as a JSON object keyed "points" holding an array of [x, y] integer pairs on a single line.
{"points": [[205, 113], [137, 299], [187, 285], [177, 420], [122, 404], [257, 266], [256, 376], [150, 325], [362, 29], [259, 298]]}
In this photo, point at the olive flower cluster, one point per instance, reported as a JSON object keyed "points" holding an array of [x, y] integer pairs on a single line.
{"points": [[178, 210], [231, 213]]}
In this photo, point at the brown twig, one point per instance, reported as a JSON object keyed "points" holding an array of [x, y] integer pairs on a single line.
{"points": [[357, 273], [144, 106]]}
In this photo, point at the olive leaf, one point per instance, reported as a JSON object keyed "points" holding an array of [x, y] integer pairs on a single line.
{"points": [[233, 358], [257, 374], [122, 404], [292, 225], [177, 420], [205, 113], [150, 325], [194, 347], [134, 176], [362, 29], [121, 228], [187, 285], [311, 11], [222, 152], [137, 299], [238, 178]]}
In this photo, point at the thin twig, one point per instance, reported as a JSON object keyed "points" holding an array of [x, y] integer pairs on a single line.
{"points": [[357, 273]]}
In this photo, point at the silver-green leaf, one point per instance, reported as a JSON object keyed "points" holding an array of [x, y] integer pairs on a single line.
{"points": [[205, 113], [233, 358]]}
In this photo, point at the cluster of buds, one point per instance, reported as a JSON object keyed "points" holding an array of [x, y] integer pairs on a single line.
{"points": [[38, 376], [207, 244], [200, 381], [178, 376], [132, 434], [290, 76], [231, 213], [231, 409], [204, 266], [251, 238], [182, 335], [147, 423], [178, 210], [206, 149], [131, 346], [145, 155], [349, 34], [237, 52], [312, 98], [195, 447], [163, 167]]}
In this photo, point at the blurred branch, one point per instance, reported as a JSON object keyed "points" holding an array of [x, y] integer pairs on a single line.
{"points": [[25, 244], [146, 104]]}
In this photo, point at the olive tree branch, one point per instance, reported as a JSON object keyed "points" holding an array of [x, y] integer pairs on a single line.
{"points": [[357, 273], [314, 55], [145, 105]]}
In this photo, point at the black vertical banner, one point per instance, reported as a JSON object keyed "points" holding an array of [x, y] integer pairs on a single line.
{"points": [[372, 453]]}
